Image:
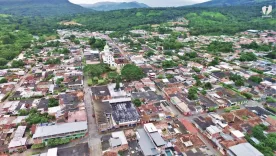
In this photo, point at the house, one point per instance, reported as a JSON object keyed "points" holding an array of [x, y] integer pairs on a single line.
{"points": [[118, 141], [218, 120], [191, 144], [153, 112], [77, 116], [202, 123], [207, 103], [271, 119], [74, 82], [71, 101], [212, 131], [6, 122], [182, 106], [196, 65], [91, 56], [230, 96], [100, 93], [148, 97], [138, 60], [42, 105], [189, 126], [242, 120]]}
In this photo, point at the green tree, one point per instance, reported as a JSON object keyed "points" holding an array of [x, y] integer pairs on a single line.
{"points": [[59, 80], [248, 57], [3, 62], [257, 71], [270, 100], [247, 95], [53, 61], [34, 117], [196, 69], [271, 55], [198, 82], [192, 93], [17, 64], [169, 64], [23, 112], [208, 85], [216, 46], [256, 79], [117, 86], [214, 62], [149, 53], [38, 146], [53, 102], [137, 102], [96, 70], [131, 72], [258, 133], [3, 80], [239, 83], [203, 92], [92, 41]]}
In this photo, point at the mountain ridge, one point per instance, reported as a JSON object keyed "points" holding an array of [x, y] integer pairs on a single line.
{"points": [[40, 7], [224, 3], [108, 6]]}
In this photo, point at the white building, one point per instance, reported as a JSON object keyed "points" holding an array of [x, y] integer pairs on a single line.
{"points": [[108, 57]]}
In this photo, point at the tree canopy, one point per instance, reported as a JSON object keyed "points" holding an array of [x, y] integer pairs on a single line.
{"points": [[132, 72], [248, 57], [216, 46], [192, 93], [256, 79], [96, 70]]}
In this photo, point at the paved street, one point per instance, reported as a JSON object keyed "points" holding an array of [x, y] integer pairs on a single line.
{"points": [[94, 137], [94, 140], [190, 118]]}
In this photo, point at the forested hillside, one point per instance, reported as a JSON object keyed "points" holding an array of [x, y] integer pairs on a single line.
{"points": [[107, 6], [210, 20], [16, 34], [40, 7], [225, 3]]}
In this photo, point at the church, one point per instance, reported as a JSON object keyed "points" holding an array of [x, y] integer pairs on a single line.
{"points": [[108, 58]]}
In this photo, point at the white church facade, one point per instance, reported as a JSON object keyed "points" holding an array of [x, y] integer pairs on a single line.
{"points": [[108, 58]]}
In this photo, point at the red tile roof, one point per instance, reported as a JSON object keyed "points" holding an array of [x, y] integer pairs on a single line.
{"points": [[188, 125]]}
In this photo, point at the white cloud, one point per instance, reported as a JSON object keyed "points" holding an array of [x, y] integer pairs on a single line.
{"points": [[153, 3]]}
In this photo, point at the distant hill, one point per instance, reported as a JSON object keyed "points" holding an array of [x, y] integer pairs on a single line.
{"points": [[40, 7], [107, 6], [220, 3]]}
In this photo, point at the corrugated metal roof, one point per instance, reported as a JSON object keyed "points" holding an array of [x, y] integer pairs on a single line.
{"points": [[146, 144], [59, 129], [245, 149], [158, 140]]}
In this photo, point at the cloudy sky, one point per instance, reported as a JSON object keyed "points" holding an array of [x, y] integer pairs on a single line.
{"points": [[152, 3]]}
